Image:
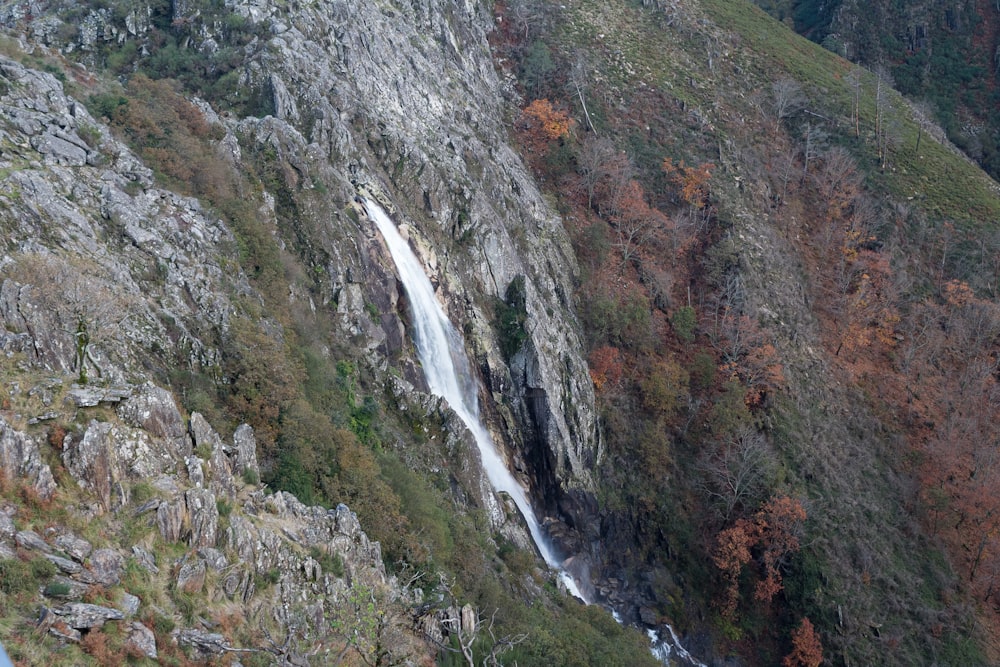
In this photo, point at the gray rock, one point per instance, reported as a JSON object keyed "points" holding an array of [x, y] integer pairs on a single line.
{"points": [[20, 457], [195, 470], [246, 451], [62, 631], [106, 567], [7, 529], [220, 469], [204, 436], [29, 539], [59, 150], [129, 604], [83, 616], [204, 517], [213, 558], [204, 643], [75, 547], [191, 574], [147, 506], [48, 416], [108, 455], [74, 590], [153, 409], [88, 396], [171, 519], [238, 584], [7, 552], [142, 639], [64, 564], [145, 559]]}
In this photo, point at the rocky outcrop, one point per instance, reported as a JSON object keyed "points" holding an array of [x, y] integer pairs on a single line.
{"points": [[20, 459], [140, 267], [290, 562]]}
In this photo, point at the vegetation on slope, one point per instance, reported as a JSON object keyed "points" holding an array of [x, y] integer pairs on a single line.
{"points": [[326, 429], [709, 157]]}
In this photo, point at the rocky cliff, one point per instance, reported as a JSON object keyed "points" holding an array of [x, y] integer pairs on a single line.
{"points": [[111, 278], [404, 101]]}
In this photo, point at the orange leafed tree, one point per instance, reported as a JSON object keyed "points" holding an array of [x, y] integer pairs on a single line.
{"points": [[692, 181], [807, 651], [541, 124], [606, 367], [772, 533]]}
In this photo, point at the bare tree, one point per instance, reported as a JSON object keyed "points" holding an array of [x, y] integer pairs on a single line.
{"points": [[578, 83], [854, 80], [815, 141], [738, 474], [884, 129], [593, 162], [786, 98], [468, 626]]}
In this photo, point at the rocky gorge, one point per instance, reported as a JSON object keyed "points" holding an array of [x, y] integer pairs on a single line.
{"points": [[111, 278]]}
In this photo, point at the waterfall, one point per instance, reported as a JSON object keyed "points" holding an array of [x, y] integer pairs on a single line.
{"points": [[446, 368]]}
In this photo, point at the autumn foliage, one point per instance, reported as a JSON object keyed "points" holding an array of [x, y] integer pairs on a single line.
{"points": [[692, 181], [807, 651], [541, 124], [772, 534]]}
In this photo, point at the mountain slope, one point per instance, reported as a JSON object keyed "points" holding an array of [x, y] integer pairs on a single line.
{"points": [[727, 369]]}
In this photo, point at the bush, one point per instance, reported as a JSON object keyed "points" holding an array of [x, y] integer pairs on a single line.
{"points": [[511, 315], [684, 322]]}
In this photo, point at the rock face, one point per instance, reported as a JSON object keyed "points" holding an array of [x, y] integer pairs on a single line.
{"points": [[262, 557], [141, 266], [421, 128], [20, 458], [412, 130]]}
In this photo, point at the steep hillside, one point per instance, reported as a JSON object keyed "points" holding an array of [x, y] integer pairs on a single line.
{"points": [[730, 298], [774, 229], [939, 54]]}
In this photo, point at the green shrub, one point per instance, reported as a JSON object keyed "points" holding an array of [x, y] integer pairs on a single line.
{"points": [[15, 576], [57, 589], [684, 321], [511, 315], [251, 477], [332, 563]]}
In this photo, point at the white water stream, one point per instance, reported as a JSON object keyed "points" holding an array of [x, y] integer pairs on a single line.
{"points": [[446, 368]]}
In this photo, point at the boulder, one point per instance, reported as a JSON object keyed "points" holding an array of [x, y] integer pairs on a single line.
{"points": [[142, 640], [88, 396], [64, 564], [204, 517], [191, 574], [204, 643], [65, 588], [129, 604], [74, 546], [29, 539], [109, 454], [153, 409], [84, 616], [145, 559], [171, 517], [213, 558], [245, 444], [106, 567], [21, 458], [7, 529]]}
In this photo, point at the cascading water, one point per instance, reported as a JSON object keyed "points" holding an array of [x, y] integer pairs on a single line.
{"points": [[446, 368]]}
